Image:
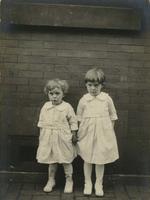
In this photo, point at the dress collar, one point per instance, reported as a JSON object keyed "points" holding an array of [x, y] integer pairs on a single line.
{"points": [[59, 107], [101, 96]]}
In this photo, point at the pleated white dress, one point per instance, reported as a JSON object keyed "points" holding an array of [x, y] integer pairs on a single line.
{"points": [[97, 141], [55, 140]]}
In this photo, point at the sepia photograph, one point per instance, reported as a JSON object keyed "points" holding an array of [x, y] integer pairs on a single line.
{"points": [[74, 99]]}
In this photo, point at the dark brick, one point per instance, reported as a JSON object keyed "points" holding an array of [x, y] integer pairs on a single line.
{"points": [[17, 81], [67, 196], [25, 197], [147, 49], [9, 43], [84, 54], [10, 58], [37, 82], [17, 51], [46, 197], [31, 44], [43, 52], [36, 59], [31, 74], [82, 198]]}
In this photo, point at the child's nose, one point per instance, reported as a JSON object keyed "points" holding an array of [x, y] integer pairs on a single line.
{"points": [[93, 87]]}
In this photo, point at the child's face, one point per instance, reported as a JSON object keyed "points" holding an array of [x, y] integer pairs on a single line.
{"points": [[55, 96], [94, 88]]}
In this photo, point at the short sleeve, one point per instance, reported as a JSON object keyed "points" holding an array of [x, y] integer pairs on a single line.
{"points": [[41, 117], [72, 119], [111, 109], [80, 109]]}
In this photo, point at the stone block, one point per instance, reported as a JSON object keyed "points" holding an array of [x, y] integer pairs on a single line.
{"points": [[66, 15]]}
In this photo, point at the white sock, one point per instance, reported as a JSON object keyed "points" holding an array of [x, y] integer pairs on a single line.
{"points": [[52, 170], [99, 169], [87, 172], [68, 169]]}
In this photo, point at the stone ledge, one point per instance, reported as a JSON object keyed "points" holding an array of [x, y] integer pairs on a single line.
{"points": [[39, 176], [65, 15]]}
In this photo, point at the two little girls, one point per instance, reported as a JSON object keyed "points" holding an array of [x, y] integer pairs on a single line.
{"points": [[96, 140]]}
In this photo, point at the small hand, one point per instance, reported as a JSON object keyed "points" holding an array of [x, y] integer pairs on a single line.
{"points": [[74, 139]]}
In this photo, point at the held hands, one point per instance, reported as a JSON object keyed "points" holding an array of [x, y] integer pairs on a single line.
{"points": [[74, 137]]}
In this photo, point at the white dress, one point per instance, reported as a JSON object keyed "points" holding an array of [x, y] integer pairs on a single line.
{"points": [[97, 141], [55, 140]]}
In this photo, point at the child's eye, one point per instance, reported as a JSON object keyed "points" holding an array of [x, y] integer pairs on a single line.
{"points": [[50, 93], [89, 84]]}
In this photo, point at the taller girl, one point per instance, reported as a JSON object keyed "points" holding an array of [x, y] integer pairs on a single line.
{"points": [[97, 141]]}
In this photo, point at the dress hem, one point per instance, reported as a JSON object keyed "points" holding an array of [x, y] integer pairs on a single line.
{"points": [[62, 162], [100, 163]]}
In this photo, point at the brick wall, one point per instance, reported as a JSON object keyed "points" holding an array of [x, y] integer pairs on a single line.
{"points": [[31, 55]]}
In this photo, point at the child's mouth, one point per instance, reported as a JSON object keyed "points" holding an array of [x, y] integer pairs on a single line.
{"points": [[94, 93]]}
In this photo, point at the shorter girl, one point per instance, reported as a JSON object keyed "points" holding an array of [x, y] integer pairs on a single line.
{"points": [[58, 127], [97, 141]]}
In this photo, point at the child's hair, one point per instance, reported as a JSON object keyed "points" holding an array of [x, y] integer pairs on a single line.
{"points": [[56, 83], [95, 75]]}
